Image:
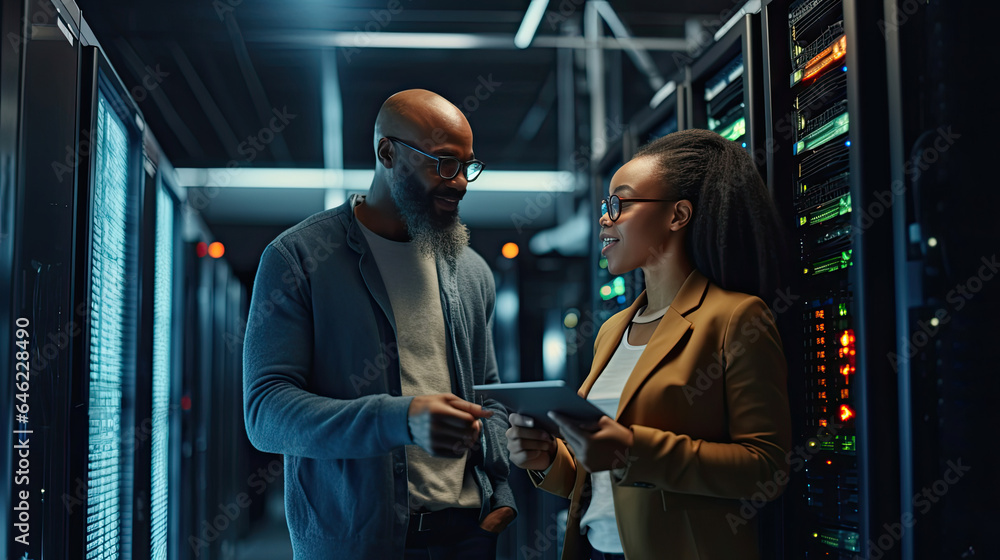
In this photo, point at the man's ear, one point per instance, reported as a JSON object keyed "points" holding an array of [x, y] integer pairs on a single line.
{"points": [[682, 215], [385, 153]]}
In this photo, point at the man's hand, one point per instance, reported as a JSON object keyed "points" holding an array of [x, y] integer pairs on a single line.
{"points": [[529, 448], [600, 446], [445, 425], [497, 520]]}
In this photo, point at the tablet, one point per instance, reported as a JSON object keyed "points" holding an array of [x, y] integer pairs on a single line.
{"points": [[537, 398]]}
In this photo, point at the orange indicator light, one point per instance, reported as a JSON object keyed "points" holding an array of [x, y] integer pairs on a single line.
{"points": [[845, 412], [826, 57]]}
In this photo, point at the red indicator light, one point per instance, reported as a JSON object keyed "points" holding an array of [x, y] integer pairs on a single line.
{"points": [[829, 462], [822, 422], [185, 403], [819, 314], [845, 412], [201, 249]]}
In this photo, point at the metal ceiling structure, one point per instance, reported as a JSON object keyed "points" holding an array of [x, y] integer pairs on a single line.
{"points": [[257, 85], [219, 70]]}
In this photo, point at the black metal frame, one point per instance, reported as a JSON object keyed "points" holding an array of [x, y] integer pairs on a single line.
{"points": [[10, 93], [44, 267]]}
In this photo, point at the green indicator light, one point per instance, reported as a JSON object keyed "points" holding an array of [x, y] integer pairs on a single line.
{"points": [[735, 130], [606, 292], [796, 77], [603, 263], [843, 309], [823, 134], [831, 264], [832, 209]]}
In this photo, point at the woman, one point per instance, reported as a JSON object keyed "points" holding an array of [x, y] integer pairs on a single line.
{"points": [[693, 371]]}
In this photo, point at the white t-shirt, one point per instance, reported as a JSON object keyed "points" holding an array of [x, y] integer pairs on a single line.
{"points": [[598, 522]]}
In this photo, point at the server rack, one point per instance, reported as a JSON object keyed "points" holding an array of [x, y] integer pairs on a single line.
{"points": [[83, 275], [827, 127], [726, 89], [212, 460], [156, 440]]}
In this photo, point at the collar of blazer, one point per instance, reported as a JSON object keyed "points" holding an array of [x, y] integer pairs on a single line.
{"points": [[668, 333]]}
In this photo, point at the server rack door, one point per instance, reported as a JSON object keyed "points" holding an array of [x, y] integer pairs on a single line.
{"points": [[140, 445], [163, 399], [108, 217]]}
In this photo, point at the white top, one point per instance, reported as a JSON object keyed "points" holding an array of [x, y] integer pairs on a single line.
{"points": [[598, 522]]}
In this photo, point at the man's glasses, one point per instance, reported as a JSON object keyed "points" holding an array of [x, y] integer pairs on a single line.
{"points": [[448, 166], [612, 206]]}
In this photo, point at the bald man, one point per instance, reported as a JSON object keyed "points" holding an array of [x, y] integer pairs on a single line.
{"points": [[369, 324]]}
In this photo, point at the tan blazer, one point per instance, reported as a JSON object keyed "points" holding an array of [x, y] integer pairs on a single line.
{"points": [[708, 405]]}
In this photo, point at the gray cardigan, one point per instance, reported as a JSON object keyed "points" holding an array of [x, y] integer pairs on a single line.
{"points": [[321, 385]]}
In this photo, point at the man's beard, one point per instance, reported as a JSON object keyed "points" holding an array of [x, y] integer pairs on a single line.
{"points": [[433, 233]]}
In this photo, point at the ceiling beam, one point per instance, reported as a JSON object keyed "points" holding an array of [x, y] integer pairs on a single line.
{"points": [[461, 41], [359, 179]]}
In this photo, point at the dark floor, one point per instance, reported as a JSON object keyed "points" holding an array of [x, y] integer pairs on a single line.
{"points": [[268, 537]]}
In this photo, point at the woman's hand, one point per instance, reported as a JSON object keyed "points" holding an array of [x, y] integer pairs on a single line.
{"points": [[599, 446], [529, 448]]}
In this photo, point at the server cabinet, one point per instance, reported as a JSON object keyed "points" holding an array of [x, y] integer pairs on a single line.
{"points": [[945, 245], [827, 160]]}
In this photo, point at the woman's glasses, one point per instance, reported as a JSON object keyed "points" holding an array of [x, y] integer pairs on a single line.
{"points": [[612, 206]]}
